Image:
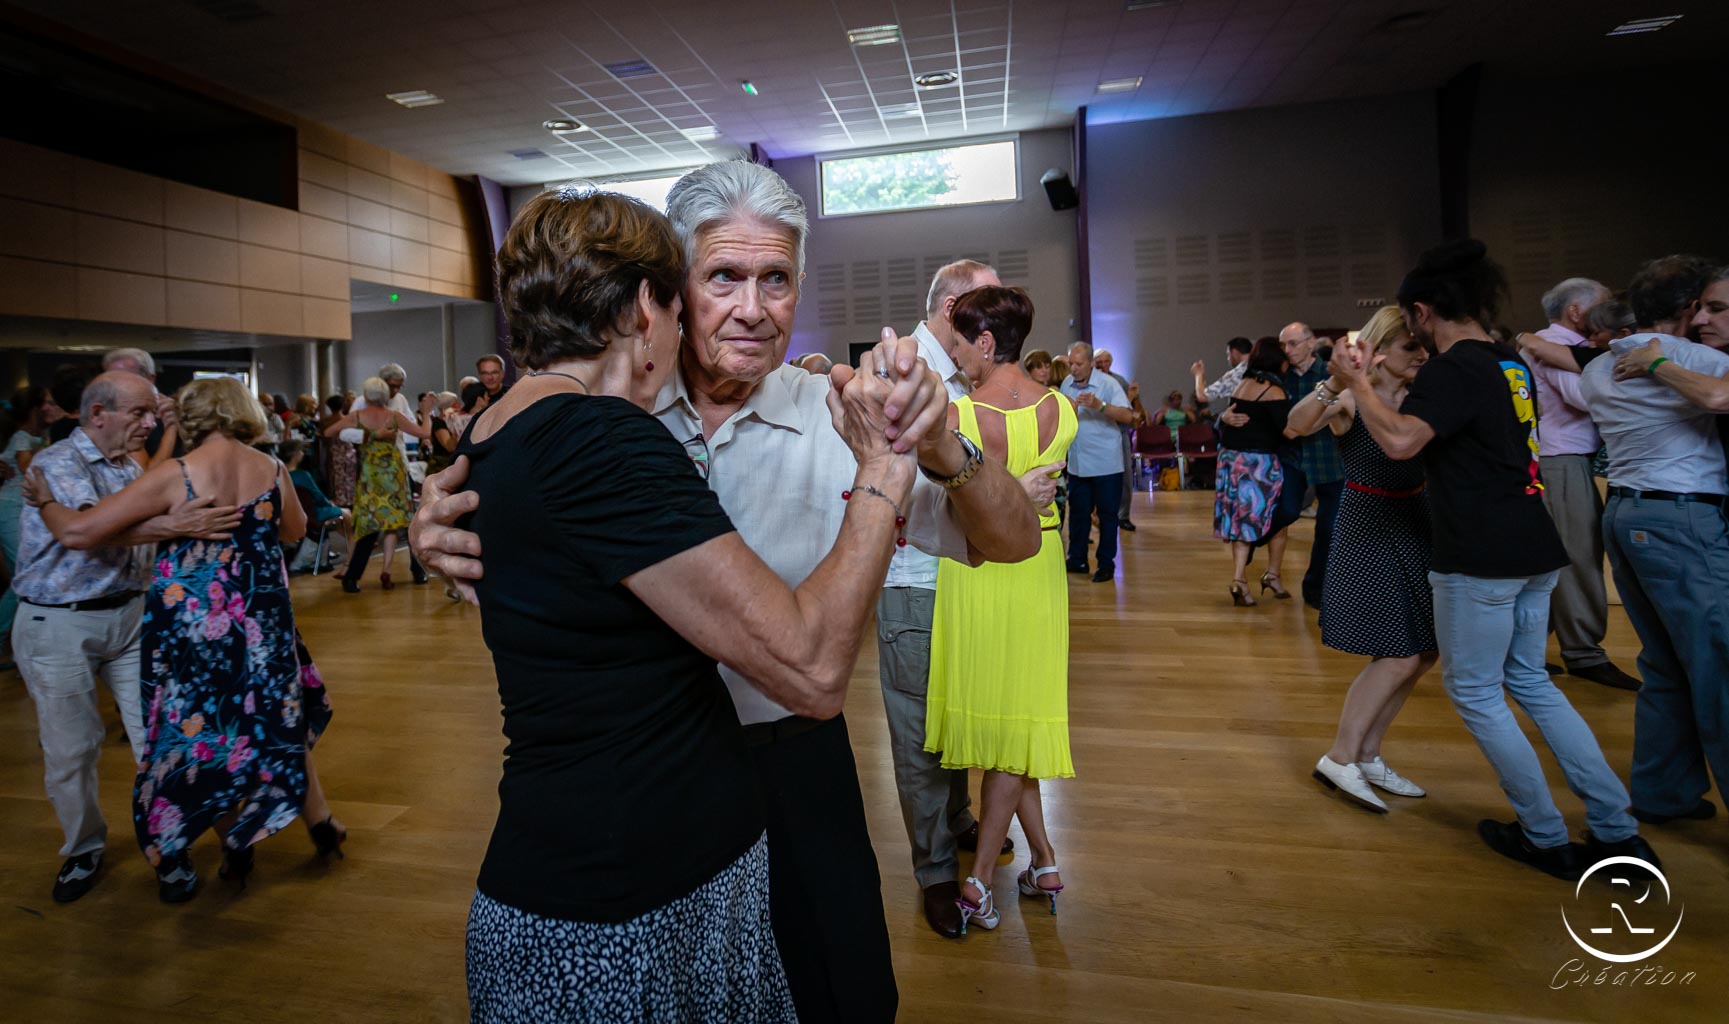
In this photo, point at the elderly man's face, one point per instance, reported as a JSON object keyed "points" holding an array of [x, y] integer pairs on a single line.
{"points": [[1102, 360], [1080, 363], [739, 299], [128, 425], [395, 385], [1298, 343]]}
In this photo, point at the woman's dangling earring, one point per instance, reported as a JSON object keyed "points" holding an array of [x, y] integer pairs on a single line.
{"points": [[646, 350]]}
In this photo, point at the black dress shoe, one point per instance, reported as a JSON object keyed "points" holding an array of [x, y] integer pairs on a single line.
{"points": [[349, 586], [942, 911], [77, 876], [969, 841], [1126, 525], [1553, 669], [1509, 840], [1632, 846], [1072, 567], [1702, 811], [1104, 575], [1608, 675]]}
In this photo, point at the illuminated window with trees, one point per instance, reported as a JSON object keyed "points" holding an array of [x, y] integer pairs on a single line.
{"points": [[921, 178]]}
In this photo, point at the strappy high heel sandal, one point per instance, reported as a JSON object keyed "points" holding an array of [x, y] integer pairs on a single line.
{"points": [[1029, 884], [328, 837], [1240, 594], [1271, 581], [384, 582], [983, 913]]}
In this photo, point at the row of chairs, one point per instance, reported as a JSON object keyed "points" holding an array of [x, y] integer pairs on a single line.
{"points": [[1156, 445]]}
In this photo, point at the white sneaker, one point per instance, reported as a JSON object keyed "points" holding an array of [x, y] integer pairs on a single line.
{"points": [[1379, 774], [1348, 779]]}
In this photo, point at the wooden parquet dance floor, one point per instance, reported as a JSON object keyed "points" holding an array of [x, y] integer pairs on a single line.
{"points": [[1209, 877]]}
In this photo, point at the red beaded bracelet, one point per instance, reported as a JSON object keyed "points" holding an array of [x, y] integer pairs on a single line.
{"points": [[900, 520]]}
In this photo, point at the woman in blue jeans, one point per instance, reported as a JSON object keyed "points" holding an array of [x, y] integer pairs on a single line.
{"points": [[1471, 414]]}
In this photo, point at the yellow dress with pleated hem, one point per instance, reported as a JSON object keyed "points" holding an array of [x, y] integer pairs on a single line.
{"points": [[999, 678]]}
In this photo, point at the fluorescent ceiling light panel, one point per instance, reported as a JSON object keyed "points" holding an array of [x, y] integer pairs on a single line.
{"points": [[706, 133], [898, 109], [414, 98], [1639, 25], [875, 35], [1121, 84]]}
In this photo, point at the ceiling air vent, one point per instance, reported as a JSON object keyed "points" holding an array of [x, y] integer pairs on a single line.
{"points": [[631, 69], [529, 154]]}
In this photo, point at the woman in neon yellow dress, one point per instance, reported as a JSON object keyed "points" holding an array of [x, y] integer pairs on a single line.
{"points": [[998, 685]]}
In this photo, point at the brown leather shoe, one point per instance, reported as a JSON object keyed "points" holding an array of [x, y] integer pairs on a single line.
{"points": [[969, 841], [1607, 674], [942, 911]]}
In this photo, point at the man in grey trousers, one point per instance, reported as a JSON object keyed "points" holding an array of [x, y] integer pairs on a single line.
{"points": [[1103, 360]]}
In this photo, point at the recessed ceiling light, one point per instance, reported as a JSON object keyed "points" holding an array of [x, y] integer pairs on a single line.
{"points": [[563, 125], [704, 133], [936, 79], [415, 98], [898, 109], [875, 35], [1639, 25], [1121, 84]]}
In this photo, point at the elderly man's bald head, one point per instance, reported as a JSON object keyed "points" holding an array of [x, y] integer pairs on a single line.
{"points": [[1298, 341]]}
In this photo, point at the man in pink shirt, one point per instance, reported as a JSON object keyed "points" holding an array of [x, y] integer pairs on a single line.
{"points": [[1567, 441]]}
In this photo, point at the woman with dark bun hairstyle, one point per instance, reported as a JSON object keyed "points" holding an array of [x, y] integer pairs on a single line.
{"points": [[1471, 415]]}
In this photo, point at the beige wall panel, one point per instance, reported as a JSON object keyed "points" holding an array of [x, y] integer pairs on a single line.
{"points": [[122, 298], [409, 171], [323, 202], [200, 210], [119, 244], [99, 188], [408, 257], [443, 208], [408, 198], [29, 172], [408, 225], [270, 269], [326, 279], [263, 224], [446, 236], [369, 248], [367, 214], [202, 258], [326, 238], [444, 265], [322, 139], [377, 275], [368, 185], [415, 281], [441, 184], [37, 231], [31, 288], [209, 307], [368, 157], [325, 318], [264, 312], [322, 170]]}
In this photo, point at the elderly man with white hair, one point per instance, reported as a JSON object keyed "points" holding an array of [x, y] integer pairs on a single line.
{"points": [[1096, 460], [1567, 442], [164, 440], [758, 429]]}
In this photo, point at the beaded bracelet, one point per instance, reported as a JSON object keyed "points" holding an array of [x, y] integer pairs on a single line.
{"points": [[1325, 394], [900, 520]]}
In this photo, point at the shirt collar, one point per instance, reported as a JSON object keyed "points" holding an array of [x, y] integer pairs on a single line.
{"points": [[87, 448], [934, 355], [1562, 334], [771, 401]]}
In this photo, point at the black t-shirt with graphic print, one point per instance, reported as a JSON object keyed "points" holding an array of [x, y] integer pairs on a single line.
{"points": [[1485, 489]]}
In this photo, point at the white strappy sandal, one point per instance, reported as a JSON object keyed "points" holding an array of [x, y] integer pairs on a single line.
{"points": [[1029, 883], [983, 913]]}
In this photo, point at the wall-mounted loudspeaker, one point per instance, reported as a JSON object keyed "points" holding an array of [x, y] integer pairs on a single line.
{"points": [[1060, 190]]}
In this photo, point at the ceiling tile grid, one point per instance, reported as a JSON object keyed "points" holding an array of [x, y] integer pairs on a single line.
{"points": [[502, 67]]}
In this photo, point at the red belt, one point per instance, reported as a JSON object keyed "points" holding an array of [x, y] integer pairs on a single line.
{"points": [[1382, 492]]}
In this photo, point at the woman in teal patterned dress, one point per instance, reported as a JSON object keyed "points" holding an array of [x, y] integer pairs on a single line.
{"points": [[231, 700]]}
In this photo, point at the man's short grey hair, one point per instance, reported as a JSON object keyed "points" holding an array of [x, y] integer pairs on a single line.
{"points": [[1085, 348], [716, 193], [103, 392], [392, 371], [1103, 353], [1610, 316], [137, 356], [490, 357], [375, 391], [446, 399], [953, 280], [1574, 291]]}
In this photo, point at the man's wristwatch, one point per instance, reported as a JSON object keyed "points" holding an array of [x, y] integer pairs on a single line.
{"points": [[975, 459]]}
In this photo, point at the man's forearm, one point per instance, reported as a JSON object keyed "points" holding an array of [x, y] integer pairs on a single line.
{"points": [[150, 531], [1399, 435], [1118, 413], [1702, 389], [991, 508]]}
